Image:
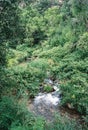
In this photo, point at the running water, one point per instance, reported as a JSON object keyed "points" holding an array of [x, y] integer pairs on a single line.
{"points": [[46, 104]]}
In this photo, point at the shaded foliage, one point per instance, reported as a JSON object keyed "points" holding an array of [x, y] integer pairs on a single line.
{"points": [[44, 39]]}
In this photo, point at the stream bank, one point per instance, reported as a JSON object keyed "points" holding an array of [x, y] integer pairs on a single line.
{"points": [[47, 104]]}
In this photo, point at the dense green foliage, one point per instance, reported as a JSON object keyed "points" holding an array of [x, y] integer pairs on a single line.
{"points": [[42, 39], [15, 117]]}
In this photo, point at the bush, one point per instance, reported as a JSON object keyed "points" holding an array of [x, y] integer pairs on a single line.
{"points": [[82, 45], [8, 112], [20, 79], [14, 116], [48, 88]]}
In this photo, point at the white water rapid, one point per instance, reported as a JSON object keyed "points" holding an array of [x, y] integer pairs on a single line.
{"points": [[46, 104]]}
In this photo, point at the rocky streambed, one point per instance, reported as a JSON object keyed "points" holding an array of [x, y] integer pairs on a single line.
{"points": [[46, 104]]}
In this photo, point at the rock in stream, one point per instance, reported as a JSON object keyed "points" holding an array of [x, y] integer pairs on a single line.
{"points": [[46, 104]]}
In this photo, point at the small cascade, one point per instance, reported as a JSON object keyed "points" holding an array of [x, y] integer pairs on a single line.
{"points": [[46, 104]]}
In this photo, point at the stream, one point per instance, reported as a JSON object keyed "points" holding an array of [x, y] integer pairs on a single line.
{"points": [[47, 105]]}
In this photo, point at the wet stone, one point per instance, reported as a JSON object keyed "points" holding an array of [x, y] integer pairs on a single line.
{"points": [[46, 104]]}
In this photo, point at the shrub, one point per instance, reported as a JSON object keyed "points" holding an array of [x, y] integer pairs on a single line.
{"points": [[8, 112], [82, 45], [48, 88]]}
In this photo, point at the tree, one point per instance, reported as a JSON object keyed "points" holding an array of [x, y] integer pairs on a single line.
{"points": [[8, 31]]}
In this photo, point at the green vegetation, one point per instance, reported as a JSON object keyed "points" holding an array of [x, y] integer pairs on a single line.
{"points": [[48, 88], [42, 39]]}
